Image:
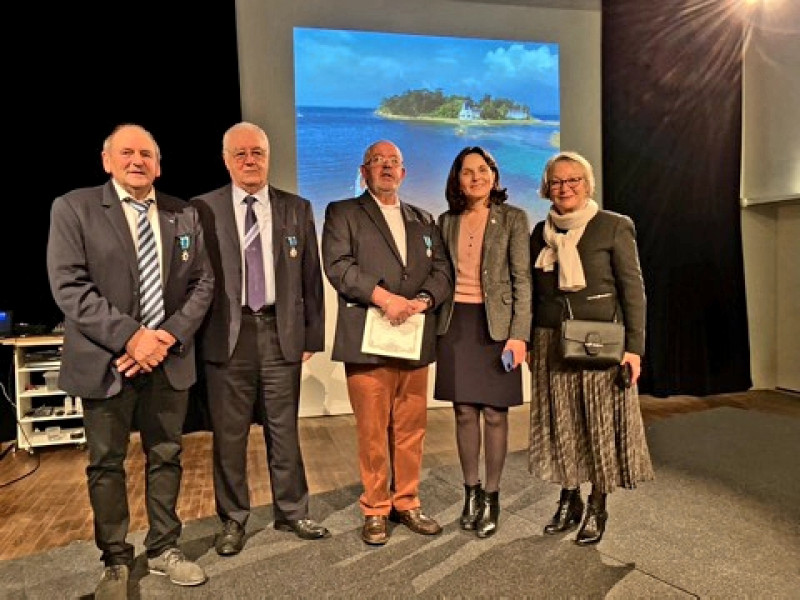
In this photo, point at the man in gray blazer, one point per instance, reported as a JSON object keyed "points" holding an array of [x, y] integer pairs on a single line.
{"points": [[380, 252], [253, 351], [124, 370]]}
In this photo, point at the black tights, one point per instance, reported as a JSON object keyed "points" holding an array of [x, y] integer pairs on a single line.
{"points": [[495, 441]]}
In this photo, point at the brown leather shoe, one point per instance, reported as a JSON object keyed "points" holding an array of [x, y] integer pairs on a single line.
{"points": [[375, 530], [416, 521]]}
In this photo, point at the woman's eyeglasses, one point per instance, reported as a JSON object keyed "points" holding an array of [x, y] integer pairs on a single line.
{"points": [[571, 182]]}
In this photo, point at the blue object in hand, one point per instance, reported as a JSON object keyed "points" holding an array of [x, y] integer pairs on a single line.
{"points": [[508, 360]]}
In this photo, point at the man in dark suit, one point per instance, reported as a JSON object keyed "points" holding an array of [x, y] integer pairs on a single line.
{"points": [[380, 252], [253, 349], [128, 364]]}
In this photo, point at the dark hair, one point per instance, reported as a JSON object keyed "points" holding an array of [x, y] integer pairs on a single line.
{"points": [[455, 197]]}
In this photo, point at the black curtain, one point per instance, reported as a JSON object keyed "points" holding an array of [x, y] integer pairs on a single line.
{"points": [[672, 118], [79, 72]]}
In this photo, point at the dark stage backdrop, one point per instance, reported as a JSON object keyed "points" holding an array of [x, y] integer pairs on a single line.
{"points": [[80, 72], [672, 109], [671, 119]]}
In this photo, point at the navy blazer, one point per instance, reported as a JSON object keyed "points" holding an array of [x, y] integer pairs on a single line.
{"points": [[94, 278], [359, 252], [614, 281], [299, 302]]}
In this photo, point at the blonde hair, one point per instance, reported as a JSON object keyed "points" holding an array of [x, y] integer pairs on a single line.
{"points": [[588, 172]]}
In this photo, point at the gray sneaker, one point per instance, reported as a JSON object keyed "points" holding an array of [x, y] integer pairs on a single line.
{"points": [[114, 584], [177, 567]]}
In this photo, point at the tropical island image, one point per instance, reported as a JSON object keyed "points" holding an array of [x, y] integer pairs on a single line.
{"points": [[423, 99], [434, 105]]}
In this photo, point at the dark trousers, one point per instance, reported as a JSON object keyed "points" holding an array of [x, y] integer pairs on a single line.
{"points": [[158, 411], [256, 380]]}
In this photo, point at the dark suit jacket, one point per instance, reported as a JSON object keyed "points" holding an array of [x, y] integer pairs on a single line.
{"points": [[505, 271], [359, 252], [299, 302], [613, 279], [94, 278]]}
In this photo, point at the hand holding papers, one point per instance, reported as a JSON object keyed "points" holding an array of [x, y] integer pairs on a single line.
{"points": [[385, 339]]}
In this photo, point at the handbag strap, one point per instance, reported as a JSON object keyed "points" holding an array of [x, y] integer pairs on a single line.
{"points": [[571, 316]]}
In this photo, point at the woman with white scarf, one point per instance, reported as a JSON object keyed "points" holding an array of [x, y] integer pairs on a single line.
{"points": [[585, 428]]}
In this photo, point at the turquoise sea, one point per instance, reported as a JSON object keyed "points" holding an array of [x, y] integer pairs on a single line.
{"points": [[331, 144]]}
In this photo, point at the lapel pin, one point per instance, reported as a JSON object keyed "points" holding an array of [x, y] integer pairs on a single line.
{"points": [[428, 245]]}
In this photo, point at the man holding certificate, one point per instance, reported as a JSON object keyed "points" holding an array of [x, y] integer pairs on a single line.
{"points": [[386, 261]]}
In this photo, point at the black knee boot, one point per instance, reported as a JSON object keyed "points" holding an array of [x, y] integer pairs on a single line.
{"points": [[490, 512], [472, 506], [569, 512], [594, 523]]}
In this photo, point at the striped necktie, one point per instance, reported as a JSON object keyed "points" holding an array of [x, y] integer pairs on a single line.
{"points": [[151, 299], [253, 259]]}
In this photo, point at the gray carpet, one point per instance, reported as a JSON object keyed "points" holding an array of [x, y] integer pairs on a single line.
{"points": [[721, 520]]}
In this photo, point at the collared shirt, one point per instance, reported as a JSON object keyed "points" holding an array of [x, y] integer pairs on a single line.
{"points": [[263, 210], [132, 216], [394, 219]]}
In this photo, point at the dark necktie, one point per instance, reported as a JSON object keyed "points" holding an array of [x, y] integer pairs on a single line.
{"points": [[151, 299], [253, 259]]}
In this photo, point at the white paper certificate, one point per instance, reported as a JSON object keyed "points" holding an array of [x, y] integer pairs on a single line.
{"points": [[383, 338]]}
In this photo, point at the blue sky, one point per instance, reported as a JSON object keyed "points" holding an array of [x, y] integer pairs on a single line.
{"points": [[358, 69]]}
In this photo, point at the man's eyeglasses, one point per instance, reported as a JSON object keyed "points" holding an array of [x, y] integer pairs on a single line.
{"points": [[571, 182], [258, 154], [384, 161]]}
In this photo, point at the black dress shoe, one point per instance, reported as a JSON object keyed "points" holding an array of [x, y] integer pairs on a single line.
{"points": [[473, 502], [303, 528], [230, 540], [568, 514], [594, 523], [489, 515]]}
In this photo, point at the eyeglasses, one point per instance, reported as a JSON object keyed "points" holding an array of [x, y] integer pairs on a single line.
{"points": [[258, 154], [571, 182], [384, 161]]}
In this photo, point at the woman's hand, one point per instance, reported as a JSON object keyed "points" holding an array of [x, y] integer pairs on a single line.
{"points": [[518, 349], [635, 361]]}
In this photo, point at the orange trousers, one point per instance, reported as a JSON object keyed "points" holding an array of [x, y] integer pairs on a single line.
{"points": [[390, 405]]}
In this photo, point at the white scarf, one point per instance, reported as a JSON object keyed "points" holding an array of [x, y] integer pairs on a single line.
{"points": [[562, 248]]}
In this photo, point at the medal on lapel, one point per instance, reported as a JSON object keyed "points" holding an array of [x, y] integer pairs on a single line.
{"points": [[292, 245], [428, 245], [183, 240]]}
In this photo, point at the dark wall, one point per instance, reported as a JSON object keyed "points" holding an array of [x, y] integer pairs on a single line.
{"points": [[672, 114], [83, 73]]}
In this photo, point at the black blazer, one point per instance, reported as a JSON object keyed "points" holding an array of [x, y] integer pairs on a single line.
{"points": [[299, 302], [613, 279], [359, 252]]}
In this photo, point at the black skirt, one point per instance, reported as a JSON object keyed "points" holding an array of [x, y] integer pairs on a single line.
{"points": [[468, 365]]}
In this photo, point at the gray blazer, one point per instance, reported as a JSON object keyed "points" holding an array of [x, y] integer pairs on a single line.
{"points": [[359, 252], [299, 302], [614, 281], [94, 278], [505, 271]]}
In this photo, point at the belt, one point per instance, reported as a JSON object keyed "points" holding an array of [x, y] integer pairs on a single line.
{"points": [[265, 311]]}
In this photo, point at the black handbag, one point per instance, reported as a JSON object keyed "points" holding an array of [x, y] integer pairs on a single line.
{"points": [[591, 344]]}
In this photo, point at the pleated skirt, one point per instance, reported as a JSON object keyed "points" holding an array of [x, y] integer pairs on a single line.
{"points": [[468, 365], [583, 427]]}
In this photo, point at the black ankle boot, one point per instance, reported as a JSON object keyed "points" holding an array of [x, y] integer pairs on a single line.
{"points": [[472, 506], [490, 512], [594, 523], [569, 512]]}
